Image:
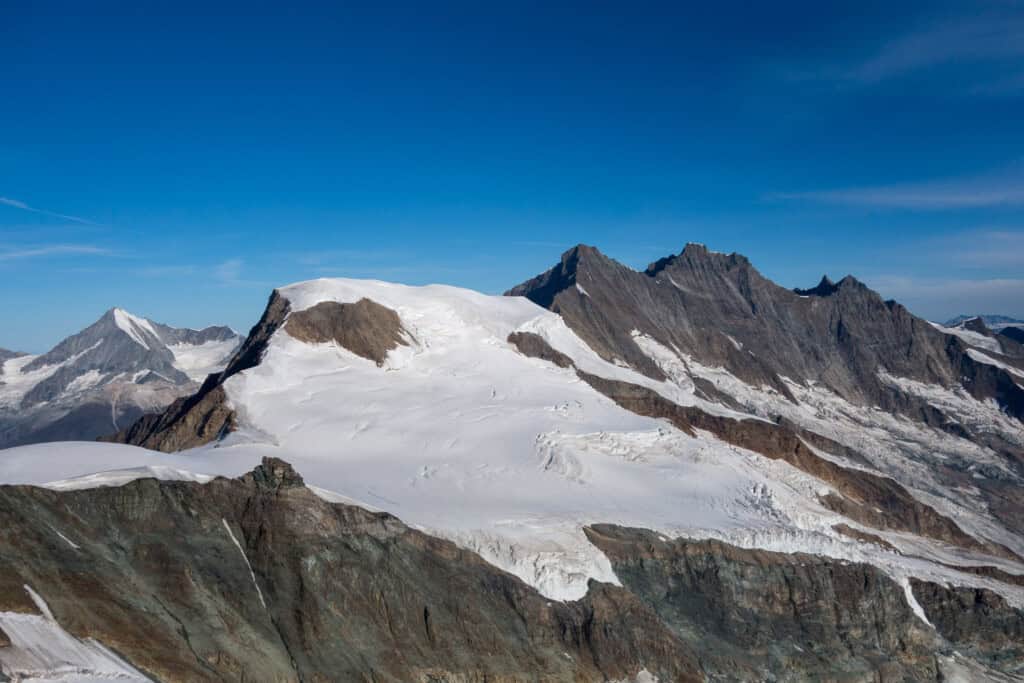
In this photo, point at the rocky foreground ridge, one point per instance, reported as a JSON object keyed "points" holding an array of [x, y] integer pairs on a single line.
{"points": [[257, 578]]}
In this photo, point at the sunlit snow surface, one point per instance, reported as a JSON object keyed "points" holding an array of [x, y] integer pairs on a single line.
{"points": [[462, 436]]}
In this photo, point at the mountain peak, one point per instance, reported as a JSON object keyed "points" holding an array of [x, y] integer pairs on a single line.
{"points": [[824, 288], [697, 254]]}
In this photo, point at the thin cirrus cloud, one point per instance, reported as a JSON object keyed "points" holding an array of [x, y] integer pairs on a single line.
{"points": [[52, 250], [990, 38], [943, 298], [990, 44], [17, 204], [971, 193]]}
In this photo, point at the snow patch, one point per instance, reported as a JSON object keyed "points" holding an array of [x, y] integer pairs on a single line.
{"points": [[135, 327], [989, 360], [915, 606], [41, 649], [199, 360], [245, 557], [971, 337]]}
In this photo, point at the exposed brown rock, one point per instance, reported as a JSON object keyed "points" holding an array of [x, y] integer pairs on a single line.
{"points": [[350, 595], [977, 621], [366, 328], [186, 423], [988, 571], [535, 346], [754, 615], [864, 537]]}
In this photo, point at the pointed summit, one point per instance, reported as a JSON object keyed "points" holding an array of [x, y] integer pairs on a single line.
{"points": [[543, 289], [824, 288]]}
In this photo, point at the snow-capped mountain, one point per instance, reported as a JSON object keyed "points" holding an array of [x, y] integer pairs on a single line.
{"points": [[106, 376], [770, 483], [991, 320]]}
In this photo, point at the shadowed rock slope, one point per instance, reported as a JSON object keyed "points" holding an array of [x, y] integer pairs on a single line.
{"points": [[257, 578]]}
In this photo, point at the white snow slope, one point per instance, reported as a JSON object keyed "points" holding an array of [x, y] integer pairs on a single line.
{"points": [[461, 435]]}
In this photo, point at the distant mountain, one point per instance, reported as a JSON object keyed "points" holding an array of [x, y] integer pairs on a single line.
{"points": [[992, 321], [97, 381], [7, 355]]}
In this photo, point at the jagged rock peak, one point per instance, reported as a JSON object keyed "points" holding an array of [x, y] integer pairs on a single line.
{"points": [[543, 288], [274, 474], [976, 324], [824, 288], [697, 255]]}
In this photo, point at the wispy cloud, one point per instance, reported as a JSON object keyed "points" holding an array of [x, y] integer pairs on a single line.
{"points": [[229, 272], [17, 204], [943, 298], [52, 250], [982, 249], [986, 38], [990, 191], [987, 45]]}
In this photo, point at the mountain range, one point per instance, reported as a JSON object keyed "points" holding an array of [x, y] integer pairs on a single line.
{"points": [[105, 377], [681, 473]]}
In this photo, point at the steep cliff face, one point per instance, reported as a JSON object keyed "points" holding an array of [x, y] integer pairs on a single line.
{"points": [[753, 613], [976, 621]]}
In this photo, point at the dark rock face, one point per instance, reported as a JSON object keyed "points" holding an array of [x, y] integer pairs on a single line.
{"points": [[976, 621], [336, 592], [1013, 334], [205, 416], [365, 328], [755, 615], [535, 346], [188, 422], [720, 310]]}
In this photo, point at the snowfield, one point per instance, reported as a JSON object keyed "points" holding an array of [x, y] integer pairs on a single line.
{"points": [[462, 436]]}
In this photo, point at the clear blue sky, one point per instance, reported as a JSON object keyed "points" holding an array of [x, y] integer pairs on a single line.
{"points": [[182, 159]]}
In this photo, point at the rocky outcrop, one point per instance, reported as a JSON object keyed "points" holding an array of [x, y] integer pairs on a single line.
{"points": [[188, 422], [757, 615], [535, 346], [365, 327], [977, 621], [258, 579], [205, 416], [718, 309], [1012, 333]]}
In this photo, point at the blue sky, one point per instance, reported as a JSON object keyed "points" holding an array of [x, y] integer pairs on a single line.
{"points": [[180, 160]]}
